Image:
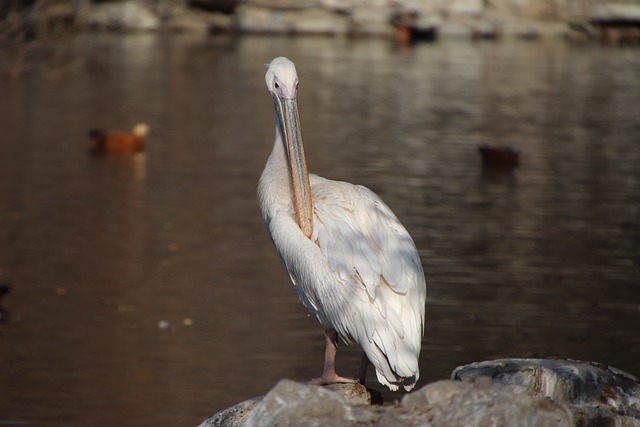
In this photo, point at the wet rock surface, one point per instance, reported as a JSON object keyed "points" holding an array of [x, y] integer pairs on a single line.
{"points": [[596, 394], [523, 392]]}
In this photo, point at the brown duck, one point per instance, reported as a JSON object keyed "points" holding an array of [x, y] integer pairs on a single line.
{"points": [[119, 142], [500, 157]]}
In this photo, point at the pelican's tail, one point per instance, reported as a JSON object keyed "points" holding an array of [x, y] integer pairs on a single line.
{"points": [[407, 383], [402, 370]]}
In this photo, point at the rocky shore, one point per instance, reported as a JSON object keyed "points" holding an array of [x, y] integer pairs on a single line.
{"points": [[456, 18], [507, 392]]}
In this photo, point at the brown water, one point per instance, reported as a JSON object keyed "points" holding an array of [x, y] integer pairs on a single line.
{"points": [[99, 251]]}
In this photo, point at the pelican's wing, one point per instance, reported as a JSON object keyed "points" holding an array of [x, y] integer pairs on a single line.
{"points": [[375, 261]]}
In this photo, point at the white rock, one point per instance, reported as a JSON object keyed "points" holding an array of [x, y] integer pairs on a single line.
{"points": [[250, 18], [122, 15], [613, 11]]}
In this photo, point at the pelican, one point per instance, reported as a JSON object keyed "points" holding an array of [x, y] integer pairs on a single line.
{"points": [[352, 263]]}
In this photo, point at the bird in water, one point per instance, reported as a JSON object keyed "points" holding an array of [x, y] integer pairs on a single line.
{"points": [[4, 313], [501, 158], [119, 142], [352, 263]]}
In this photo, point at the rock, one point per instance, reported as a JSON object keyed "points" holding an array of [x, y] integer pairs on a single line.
{"points": [[529, 19], [466, 7], [443, 403], [466, 18], [617, 22], [253, 18], [284, 4], [294, 404], [596, 394], [453, 403], [54, 17], [357, 394], [373, 18], [226, 7], [455, 30], [179, 17], [233, 416], [291, 403], [523, 392], [544, 10], [612, 12], [128, 15]]}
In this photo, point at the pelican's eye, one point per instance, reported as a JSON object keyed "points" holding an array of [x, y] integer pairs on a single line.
{"points": [[277, 85]]}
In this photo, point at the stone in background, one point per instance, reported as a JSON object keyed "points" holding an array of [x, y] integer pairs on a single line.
{"points": [[461, 18]]}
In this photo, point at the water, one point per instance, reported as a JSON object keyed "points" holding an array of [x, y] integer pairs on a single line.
{"points": [[99, 252]]}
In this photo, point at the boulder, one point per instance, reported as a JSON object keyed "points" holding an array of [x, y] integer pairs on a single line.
{"points": [[179, 17], [300, 20], [616, 13], [453, 403], [505, 392], [443, 403], [596, 394], [291, 403], [128, 15]]}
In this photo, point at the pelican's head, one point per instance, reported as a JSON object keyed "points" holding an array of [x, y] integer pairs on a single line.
{"points": [[282, 78], [282, 82]]}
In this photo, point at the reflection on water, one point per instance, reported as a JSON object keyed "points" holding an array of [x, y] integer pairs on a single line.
{"points": [[544, 262]]}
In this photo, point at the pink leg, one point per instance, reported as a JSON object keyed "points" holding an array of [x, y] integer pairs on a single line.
{"points": [[329, 375]]}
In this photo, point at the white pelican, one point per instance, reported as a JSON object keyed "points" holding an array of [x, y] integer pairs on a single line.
{"points": [[352, 263]]}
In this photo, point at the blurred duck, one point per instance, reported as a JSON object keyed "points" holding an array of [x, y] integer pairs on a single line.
{"points": [[119, 142], [504, 158]]}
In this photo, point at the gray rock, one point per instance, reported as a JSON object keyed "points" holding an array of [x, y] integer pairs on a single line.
{"points": [[467, 18], [608, 12], [127, 15], [594, 393], [316, 404], [509, 392], [179, 17], [233, 416], [294, 404], [356, 394], [543, 10], [453, 403], [257, 18], [466, 7]]}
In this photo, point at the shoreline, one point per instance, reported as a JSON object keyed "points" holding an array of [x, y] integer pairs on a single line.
{"points": [[472, 20]]}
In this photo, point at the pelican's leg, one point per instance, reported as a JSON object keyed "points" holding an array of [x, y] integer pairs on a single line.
{"points": [[361, 375], [329, 375]]}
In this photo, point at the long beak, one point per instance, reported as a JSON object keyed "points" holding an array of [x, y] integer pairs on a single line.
{"points": [[287, 112]]}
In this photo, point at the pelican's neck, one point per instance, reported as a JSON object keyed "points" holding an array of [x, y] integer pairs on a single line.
{"points": [[279, 163], [275, 190]]}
